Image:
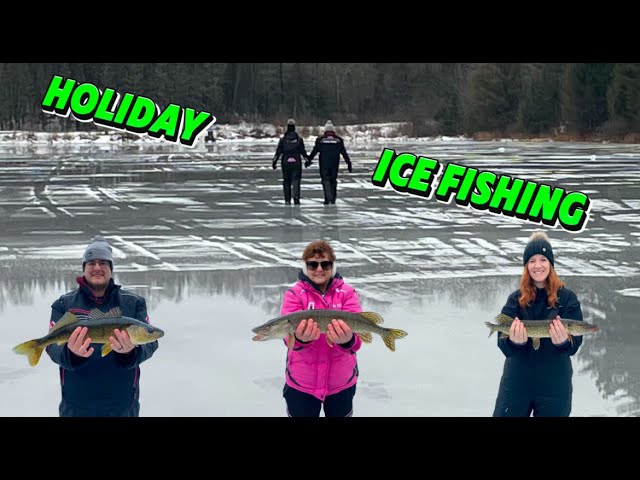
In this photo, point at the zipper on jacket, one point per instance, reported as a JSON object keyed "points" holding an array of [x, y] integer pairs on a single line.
{"points": [[355, 373]]}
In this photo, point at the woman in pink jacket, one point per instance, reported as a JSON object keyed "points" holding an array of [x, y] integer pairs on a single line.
{"points": [[318, 374]]}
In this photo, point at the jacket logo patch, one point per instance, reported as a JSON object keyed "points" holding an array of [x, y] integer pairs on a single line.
{"points": [[311, 306]]}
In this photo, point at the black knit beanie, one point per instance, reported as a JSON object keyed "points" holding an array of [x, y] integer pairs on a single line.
{"points": [[538, 243]]}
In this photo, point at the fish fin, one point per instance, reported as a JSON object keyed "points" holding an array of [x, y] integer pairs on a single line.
{"points": [[372, 317], [571, 339], [106, 349], [491, 327], [66, 320], [390, 337], [114, 312], [503, 335], [366, 337], [32, 349], [96, 314], [326, 337], [502, 318], [291, 341], [536, 343]]}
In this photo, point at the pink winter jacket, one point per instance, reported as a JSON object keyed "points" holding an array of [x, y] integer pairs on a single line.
{"points": [[316, 368]]}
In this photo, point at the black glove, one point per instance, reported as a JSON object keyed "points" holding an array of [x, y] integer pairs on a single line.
{"points": [[274, 164], [307, 164], [349, 167]]}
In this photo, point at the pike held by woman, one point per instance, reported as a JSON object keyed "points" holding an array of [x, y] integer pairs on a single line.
{"points": [[537, 329], [362, 323]]}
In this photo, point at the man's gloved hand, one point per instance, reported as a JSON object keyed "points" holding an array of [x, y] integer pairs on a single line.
{"points": [[349, 167], [274, 164], [307, 164]]}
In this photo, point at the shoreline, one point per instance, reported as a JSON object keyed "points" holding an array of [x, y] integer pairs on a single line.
{"points": [[245, 132], [629, 138]]}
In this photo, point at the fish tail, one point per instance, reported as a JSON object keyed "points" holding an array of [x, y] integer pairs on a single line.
{"points": [[492, 327], [32, 349], [390, 337]]}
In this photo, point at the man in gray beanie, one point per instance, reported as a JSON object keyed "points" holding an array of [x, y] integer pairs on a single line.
{"points": [[330, 146], [93, 385], [291, 149]]}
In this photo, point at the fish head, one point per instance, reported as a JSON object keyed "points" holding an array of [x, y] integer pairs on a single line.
{"points": [[277, 328], [141, 334], [582, 328]]}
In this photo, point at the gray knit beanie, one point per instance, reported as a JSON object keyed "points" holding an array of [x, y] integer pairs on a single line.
{"points": [[98, 249], [328, 127], [538, 243]]}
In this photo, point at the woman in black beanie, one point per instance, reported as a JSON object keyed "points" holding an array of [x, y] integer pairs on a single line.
{"points": [[538, 381]]}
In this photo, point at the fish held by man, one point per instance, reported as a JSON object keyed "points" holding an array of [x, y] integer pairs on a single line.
{"points": [[100, 327], [362, 323], [537, 329]]}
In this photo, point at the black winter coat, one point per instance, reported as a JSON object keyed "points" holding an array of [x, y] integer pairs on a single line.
{"points": [[546, 371], [100, 386]]}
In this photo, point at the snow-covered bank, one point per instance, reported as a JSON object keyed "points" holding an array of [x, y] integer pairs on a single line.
{"points": [[243, 132], [268, 133]]}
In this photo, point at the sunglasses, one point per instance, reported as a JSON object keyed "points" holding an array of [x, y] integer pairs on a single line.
{"points": [[325, 264]]}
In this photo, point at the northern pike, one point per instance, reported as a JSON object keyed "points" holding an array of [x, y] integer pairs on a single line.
{"points": [[362, 323], [100, 327], [537, 329]]}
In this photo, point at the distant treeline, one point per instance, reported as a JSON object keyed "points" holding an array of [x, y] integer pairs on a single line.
{"points": [[437, 98]]}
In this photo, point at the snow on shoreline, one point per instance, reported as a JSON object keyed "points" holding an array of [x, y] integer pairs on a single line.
{"points": [[224, 133], [242, 133]]}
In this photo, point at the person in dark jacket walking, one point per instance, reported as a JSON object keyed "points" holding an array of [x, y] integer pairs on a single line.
{"points": [[291, 149], [92, 385], [538, 382], [330, 146]]}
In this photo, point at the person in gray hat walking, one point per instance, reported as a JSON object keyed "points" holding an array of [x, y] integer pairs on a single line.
{"points": [[291, 149], [93, 385], [330, 146]]}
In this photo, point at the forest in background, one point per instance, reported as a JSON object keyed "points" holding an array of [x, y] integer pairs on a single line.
{"points": [[580, 101]]}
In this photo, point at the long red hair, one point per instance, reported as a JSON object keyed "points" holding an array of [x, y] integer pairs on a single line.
{"points": [[528, 288]]}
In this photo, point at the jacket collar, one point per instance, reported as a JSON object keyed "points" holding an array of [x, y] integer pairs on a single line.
{"points": [[84, 287], [306, 280]]}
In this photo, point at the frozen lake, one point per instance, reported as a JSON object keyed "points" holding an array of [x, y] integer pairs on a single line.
{"points": [[205, 236]]}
